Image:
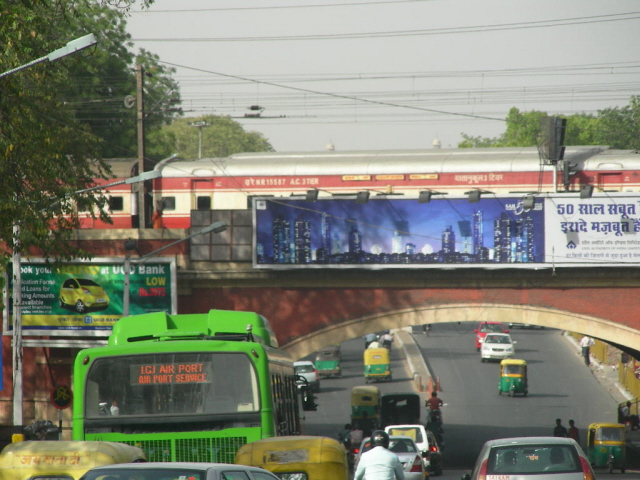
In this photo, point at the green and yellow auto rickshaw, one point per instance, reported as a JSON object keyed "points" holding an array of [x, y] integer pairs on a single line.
{"points": [[513, 377], [365, 407], [377, 365], [328, 360], [606, 444]]}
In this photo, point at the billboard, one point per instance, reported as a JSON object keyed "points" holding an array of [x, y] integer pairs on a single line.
{"points": [[493, 232], [85, 298]]}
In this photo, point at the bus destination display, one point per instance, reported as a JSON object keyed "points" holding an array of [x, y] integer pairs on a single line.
{"points": [[170, 373]]}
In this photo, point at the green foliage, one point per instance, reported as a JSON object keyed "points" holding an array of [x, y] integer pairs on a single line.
{"points": [[616, 127], [44, 150], [103, 91], [220, 138], [620, 127]]}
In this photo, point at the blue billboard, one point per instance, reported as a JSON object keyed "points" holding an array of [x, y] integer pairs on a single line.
{"points": [[397, 232]]}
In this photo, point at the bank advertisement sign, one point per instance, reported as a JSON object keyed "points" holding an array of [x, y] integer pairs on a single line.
{"points": [[494, 232], [86, 298]]}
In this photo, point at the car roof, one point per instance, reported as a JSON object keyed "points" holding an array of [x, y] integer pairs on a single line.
{"points": [[497, 334], [193, 465], [303, 362], [502, 442]]}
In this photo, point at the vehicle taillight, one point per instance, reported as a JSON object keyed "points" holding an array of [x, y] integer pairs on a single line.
{"points": [[433, 448], [355, 451], [587, 473], [482, 473], [417, 465]]}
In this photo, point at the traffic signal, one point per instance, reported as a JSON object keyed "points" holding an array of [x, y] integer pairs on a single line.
{"points": [[568, 172], [552, 130]]}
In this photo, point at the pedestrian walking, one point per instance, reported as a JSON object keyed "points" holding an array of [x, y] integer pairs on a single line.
{"points": [[586, 343], [573, 431], [560, 430]]}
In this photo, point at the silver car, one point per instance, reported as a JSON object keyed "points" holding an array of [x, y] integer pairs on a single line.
{"points": [[532, 458], [408, 454], [185, 470], [497, 346]]}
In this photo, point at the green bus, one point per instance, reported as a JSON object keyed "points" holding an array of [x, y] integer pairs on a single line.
{"points": [[192, 387]]}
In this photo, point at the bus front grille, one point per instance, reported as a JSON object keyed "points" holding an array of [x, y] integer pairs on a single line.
{"points": [[218, 450]]}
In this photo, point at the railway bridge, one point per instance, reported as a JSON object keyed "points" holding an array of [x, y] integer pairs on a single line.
{"points": [[312, 308]]}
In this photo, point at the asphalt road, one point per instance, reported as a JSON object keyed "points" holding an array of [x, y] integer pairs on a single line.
{"points": [[560, 386]]}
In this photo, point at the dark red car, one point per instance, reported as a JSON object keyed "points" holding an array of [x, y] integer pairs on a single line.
{"points": [[488, 327]]}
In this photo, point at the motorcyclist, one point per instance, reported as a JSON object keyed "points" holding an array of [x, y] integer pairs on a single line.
{"points": [[386, 339], [379, 463], [435, 425]]}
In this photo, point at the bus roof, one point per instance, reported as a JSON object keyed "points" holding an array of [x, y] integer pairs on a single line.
{"points": [[221, 324]]}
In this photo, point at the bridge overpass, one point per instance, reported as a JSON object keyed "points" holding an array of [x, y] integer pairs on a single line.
{"points": [[312, 308]]}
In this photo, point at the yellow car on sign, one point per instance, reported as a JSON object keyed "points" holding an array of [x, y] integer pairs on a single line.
{"points": [[82, 295]]}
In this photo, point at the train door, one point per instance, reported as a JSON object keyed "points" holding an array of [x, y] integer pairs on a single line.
{"points": [[201, 194], [610, 182]]}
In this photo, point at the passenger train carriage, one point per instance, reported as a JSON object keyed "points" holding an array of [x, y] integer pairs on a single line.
{"points": [[230, 183]]}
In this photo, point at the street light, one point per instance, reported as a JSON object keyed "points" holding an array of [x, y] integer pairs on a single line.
{"points": [[73, 46], [215, 227]]}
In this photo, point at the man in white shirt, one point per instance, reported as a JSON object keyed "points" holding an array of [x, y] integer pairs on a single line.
{"points": [[379, 463], [586, 343]]}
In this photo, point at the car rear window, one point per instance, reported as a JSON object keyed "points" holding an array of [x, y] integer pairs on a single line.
{"points": [[304, 369], [533, 459]]}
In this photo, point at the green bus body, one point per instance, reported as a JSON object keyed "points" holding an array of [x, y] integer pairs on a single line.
{"points": [[190, 387]]}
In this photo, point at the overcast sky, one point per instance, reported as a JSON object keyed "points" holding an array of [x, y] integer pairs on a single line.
{"points": [[378, 75]]}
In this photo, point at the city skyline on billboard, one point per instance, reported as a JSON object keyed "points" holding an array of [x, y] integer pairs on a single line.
{"points": [[392, 232], [493, 232]]}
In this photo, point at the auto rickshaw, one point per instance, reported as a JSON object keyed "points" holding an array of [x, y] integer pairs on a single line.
{"points": [[606, 446], [365, 407], [328, 361], [513, 377], [62, 459], [400, 409], [297, 457], [377, 365]]}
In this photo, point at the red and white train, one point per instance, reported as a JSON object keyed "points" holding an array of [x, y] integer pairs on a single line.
{"points": [[230, 183]]}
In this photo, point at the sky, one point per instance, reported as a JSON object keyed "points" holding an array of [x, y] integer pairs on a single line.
{"points": [[392, 74]]}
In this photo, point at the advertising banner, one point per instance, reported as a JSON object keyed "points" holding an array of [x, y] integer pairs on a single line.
{"points": [[86, 298], [493, 232]]}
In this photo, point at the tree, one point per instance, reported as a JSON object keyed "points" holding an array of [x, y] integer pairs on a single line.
{"points": [[620, 127], [103, 91], [46, 154], [220, 138]]}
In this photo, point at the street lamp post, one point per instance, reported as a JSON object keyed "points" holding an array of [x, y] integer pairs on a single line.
{"points": [[72, 47], [215, 227]]}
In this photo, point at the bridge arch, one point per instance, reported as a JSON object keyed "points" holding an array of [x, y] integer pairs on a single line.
{"points": [[602, 329]]}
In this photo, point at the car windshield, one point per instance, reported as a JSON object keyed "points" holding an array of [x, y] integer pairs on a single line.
{"points": [[533, 459], [145, 474], [396, 445], [497, 339], [491, 327]]}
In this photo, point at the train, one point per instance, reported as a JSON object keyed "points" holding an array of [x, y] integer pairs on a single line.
{"points": [[231, 183]]}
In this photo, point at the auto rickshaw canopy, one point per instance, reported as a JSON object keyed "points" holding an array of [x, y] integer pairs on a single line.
{"points": [[365, 395], [513, 366], [25, 460], [376, 356], [317, 457], [604, 433]]}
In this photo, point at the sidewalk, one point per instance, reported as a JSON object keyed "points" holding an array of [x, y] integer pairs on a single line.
{"points": [[608, 378]]}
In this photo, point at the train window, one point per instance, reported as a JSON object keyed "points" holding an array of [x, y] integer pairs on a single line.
{"points": [[251, 197], [116, 204], [203, 203], [168, 203]]}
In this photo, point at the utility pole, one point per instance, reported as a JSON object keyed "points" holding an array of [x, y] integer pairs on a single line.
{"points": [[199, 126], [142, 197]]}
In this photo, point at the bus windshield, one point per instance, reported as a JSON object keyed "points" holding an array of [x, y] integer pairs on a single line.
{"points": [[171, 384]]}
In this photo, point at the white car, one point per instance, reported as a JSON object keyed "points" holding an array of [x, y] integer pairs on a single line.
{"points": [[158, 470], [308, 371], [426, 443], [497, 346], [532, 458], [408, 453]]}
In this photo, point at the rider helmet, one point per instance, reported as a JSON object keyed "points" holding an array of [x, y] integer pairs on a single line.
{"points": [[380, 438]]}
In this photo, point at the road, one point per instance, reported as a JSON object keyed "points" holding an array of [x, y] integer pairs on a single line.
{"points": [[560, 386]]}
